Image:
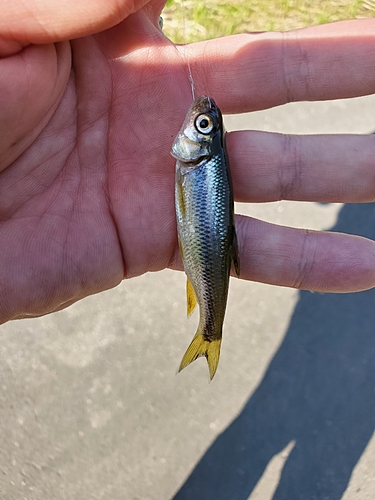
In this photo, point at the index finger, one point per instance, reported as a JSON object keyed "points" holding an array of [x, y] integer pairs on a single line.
{"points": [[257, 71]]}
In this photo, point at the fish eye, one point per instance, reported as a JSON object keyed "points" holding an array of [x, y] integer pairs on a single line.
{"points": [[204, 124]]}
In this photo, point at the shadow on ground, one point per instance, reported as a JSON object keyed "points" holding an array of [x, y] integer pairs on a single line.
{"points": [[318, 391]]}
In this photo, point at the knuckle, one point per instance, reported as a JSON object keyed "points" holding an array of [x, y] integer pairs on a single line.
{"points": [[296, 68], [306, 260], [290, 167]]}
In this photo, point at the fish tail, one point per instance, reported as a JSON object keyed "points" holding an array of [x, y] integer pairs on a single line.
{"points": [[202, 347]]}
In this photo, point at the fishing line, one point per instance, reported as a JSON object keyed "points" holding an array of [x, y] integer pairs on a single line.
{"points": [[184, 57], [191, 79]]}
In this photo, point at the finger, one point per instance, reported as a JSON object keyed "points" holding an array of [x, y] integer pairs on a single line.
{"points": [[250, 72], [45, 21], [304, 259], [137, 32], [301, 258], [327, 168]]}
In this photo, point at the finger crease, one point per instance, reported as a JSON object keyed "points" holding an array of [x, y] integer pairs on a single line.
{"points": [[290, 167], [305, 260], [296, 69]]}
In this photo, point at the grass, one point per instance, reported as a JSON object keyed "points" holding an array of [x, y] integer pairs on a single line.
{"points": [[193, 20]]}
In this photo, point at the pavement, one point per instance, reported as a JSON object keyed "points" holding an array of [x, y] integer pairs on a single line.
{"points": [[91, 407]]}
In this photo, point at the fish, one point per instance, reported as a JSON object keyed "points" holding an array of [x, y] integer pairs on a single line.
{"points": [[205, 225]]}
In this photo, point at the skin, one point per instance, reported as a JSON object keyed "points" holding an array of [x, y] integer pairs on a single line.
{"points": [[86, 178]]}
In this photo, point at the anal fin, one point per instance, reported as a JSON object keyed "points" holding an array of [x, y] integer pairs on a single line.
{"points": [[191, 298]]}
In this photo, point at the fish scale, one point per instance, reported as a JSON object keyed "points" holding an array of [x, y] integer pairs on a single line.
{"points": [[207, 233], [205, 224]]}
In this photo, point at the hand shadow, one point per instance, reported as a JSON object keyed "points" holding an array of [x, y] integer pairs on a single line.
{"points": [[318, 391]]}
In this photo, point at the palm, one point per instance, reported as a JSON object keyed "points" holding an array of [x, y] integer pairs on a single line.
{"points": [[86, 179], [93, 197]]}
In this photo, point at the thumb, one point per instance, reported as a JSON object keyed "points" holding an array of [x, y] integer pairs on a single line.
{"points": [[46, 21]]}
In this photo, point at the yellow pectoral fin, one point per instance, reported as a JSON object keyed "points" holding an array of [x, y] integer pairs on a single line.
{"points": [[181, 199], [201, 347], [191, 298]]}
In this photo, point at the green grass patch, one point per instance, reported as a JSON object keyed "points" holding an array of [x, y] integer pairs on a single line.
{"points": [[193, 20]]}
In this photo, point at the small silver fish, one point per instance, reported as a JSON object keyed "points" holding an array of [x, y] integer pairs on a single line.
{"points": [[205, 224]]}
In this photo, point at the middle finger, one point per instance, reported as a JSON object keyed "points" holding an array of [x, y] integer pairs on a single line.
{"points": [[327, 168]]}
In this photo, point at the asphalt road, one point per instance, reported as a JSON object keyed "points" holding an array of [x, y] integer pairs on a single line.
{"points": [[91, 407]]}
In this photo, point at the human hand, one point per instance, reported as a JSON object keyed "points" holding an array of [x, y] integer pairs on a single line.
{"points": [[87, 181]]}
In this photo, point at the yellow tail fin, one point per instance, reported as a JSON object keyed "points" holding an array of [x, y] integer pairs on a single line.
{"points": [[201, 347]]}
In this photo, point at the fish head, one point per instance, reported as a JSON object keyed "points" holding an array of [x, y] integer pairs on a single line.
{"points": [[202, 124]]}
